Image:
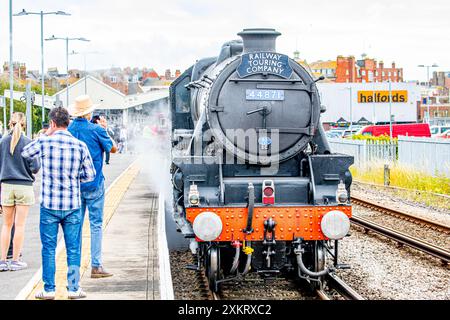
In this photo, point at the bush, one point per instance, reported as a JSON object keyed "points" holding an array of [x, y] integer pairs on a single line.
{"points": [[384, 138], [405, 177]]}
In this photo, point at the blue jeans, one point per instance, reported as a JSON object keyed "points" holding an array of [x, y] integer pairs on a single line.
{"points": [[94, 201], [70, 222]]}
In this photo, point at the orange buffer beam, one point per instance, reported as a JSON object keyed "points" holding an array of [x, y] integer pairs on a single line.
{"points": [[291, 222]]}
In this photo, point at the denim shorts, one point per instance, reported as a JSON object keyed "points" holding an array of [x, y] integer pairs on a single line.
{"points": [[17, 194]]}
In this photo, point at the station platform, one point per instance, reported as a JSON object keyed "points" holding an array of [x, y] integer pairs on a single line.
{"points": [[134, 244], [130, 249]]}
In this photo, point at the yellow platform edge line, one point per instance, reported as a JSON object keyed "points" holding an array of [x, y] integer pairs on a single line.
{"points": [[113, 197]]}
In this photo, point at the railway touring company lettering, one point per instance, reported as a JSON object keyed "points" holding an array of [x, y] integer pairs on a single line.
{"points": [[398, 96], [265, 63]]}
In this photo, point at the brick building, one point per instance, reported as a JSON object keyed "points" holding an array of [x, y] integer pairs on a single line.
{"points": [[116, 79], [348, 69], [441, 79], [149, 74], [435, 100], [20, 70]]}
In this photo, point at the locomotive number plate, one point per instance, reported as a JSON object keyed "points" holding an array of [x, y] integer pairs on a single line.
{"points": [[257, 94]]}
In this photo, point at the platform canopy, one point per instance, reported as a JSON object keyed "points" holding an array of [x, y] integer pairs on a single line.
{"points": [[108, 97], [100, 93]]}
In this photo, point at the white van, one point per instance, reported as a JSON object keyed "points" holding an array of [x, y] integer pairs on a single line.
{"points": [[437, 130]]}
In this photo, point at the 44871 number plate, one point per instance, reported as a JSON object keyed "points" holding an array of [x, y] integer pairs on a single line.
{"points": [[258, 94]]}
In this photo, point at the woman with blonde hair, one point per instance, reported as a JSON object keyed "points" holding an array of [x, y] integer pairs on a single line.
{"points": [[17, 195]]}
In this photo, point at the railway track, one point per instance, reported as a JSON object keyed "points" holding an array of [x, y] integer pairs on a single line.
{"points": [[402, 215], [332, 281], [340, 286], [403, 238]]}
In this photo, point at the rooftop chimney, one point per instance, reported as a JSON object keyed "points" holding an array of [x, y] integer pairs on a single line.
{"points": [[259, 39]]}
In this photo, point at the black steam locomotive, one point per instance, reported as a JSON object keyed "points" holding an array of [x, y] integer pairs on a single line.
{"points": [[255, 185]]}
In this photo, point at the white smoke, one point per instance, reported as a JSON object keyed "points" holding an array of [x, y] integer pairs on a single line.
{"points": [[152, 143]]}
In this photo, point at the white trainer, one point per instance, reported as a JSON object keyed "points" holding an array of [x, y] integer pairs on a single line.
{"points": [[17, 265], [44, 295], [4, 266], [79, 294]]}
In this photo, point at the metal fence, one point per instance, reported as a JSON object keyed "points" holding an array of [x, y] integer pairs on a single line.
{"points": [[427, 154], [364, 151]]}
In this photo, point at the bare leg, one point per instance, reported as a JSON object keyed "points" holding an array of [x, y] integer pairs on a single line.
{"points": [[8, 219], [19, 225]]}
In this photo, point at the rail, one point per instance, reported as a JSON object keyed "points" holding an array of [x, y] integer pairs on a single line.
{"points": [[402, 238], [342, 288], [401, 214]]}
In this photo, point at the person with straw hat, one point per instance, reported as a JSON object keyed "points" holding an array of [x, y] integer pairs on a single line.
{"points": [[16, 177], [92, 193]]}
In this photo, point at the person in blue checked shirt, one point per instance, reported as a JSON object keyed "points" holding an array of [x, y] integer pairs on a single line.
{"points": [[65, 164], [92, 193]]}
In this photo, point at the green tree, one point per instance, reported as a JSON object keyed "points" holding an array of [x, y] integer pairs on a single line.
{"points": [[21, 106]]}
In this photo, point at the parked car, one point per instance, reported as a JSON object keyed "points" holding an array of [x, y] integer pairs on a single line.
{"points": [[445, 135], [438, 130], [350, 132], [334, 133], [407, 129], [342, 132]]}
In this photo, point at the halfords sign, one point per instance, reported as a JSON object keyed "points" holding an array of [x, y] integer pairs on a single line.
{"points": [[400, 96], [265, 63]]}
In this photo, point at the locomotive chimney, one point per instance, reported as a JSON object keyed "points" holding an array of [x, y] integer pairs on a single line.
{"points": [[259, 39]]}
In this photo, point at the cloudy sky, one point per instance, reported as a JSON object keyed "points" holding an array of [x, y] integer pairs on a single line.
{"points": [[174, 33]]}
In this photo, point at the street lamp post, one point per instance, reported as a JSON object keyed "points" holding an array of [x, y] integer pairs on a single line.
{"points": [[390, 110], [351, 111], [434, 65], [42, 14], [85, 66], [67, 39], [11, 67]]}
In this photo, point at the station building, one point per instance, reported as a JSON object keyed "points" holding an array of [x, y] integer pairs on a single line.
{"points": [[119, 109]]}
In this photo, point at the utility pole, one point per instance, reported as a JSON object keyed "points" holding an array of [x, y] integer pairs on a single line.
{"points": [[29, 102], [373, 104], [390, 110], [11, 68], [67, 72], [434, 65], [42, 71], [85, 65], [351, 110], [3, 106]]}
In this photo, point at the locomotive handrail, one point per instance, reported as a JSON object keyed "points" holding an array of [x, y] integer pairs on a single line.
{"points": [[297, 87], [250, 206], [304, 130]]}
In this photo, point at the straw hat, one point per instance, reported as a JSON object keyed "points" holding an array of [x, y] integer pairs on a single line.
{"points": [[83, 105]]}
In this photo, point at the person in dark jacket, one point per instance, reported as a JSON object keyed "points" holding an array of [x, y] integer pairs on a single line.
{"points": [[17, 194], [100, 120]]}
